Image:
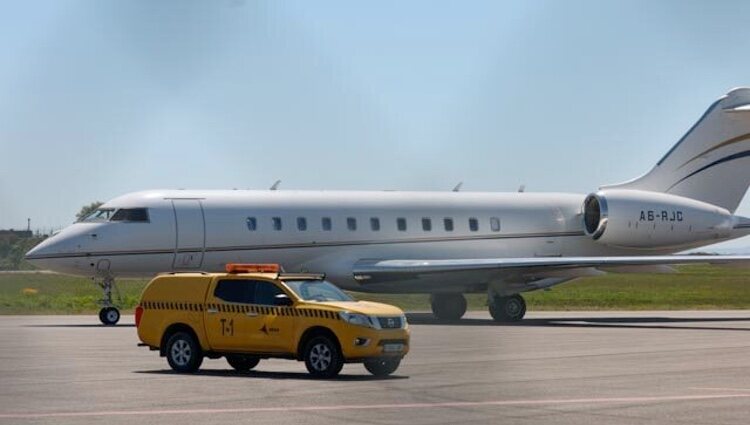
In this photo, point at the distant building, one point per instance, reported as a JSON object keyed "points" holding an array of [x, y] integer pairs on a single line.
{"points": [[16, 233]]}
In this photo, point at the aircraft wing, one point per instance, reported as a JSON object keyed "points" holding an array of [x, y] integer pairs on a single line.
{"points": [[488, 269]]}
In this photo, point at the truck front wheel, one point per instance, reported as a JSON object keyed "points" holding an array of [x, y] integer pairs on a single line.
{"points": [[323, 357]]}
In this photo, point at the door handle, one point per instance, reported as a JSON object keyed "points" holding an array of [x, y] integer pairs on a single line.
{"points": [[251, 314], [212, 310]]}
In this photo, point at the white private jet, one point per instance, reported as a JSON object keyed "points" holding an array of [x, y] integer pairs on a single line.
{"points": [[443, 244]]}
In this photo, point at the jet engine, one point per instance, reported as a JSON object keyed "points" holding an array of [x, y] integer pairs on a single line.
{"points": [[641, 219]]}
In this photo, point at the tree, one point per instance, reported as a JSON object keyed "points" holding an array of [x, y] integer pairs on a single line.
{"points": [[88, 209]]}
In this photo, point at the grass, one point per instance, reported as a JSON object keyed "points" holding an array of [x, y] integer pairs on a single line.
{"points": [[695, 287]]}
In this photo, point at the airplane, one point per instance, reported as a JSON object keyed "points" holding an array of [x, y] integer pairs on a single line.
{"points": [[443, 244]]}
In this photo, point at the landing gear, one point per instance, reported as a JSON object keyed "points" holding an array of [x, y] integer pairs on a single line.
{"points": [[109, 314], [507, 309], [448, 306]]}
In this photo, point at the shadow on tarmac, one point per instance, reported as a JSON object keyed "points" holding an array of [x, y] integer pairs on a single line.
{"points": [[589, 322], [80, 325], [259, 374]]}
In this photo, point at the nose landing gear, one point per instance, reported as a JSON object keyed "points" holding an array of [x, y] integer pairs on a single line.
{"points": [[109, 315]]}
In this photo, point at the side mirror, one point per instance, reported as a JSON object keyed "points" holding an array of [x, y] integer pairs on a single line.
{"points": [[283, 300]]}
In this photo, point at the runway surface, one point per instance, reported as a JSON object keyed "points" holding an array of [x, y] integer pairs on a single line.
{"points": [[554, 368]]}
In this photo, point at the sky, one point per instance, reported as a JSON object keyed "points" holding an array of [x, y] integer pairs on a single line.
{"points": [[99, 98]]}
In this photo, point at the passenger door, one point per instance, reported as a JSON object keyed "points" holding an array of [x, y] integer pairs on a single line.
{"points": [[232, 323], [190, 225], [278, 322]]}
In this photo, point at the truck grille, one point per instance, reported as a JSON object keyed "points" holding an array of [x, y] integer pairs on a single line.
{"points": [[390, 322]]}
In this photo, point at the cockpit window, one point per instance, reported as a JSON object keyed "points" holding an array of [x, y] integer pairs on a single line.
{"points": [[102, 214], [130, 214]]}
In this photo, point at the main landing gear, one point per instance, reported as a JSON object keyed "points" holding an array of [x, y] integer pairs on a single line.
{"points": [[507, 309], [448, 306], [503, 309], [109, 314]]}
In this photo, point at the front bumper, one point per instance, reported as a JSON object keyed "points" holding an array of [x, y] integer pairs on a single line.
{"points": [[363, 343]]}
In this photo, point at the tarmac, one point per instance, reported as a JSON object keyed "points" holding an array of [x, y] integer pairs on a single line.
{"points": [[579, 368]]}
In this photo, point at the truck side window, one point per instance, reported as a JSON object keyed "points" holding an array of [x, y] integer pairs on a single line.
{"points": [[265, 293], [236, 290]]}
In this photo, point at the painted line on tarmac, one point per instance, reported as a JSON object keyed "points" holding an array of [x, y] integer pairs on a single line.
{"points": [[719, 389], [345, 407]]}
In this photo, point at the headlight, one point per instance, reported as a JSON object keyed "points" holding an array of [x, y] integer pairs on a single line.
{"points": [[359, 319]]}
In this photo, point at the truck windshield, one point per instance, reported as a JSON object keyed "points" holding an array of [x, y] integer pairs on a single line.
{"points": [[317, 290]]}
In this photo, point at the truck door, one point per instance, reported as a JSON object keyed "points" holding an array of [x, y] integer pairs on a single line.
{"points": [[190, 224], [278, 322], [232, 323]]}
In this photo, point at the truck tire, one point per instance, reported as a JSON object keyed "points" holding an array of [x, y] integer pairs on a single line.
{"points": [[323, 358], [383, 366], [242, 362], [183, 353]]}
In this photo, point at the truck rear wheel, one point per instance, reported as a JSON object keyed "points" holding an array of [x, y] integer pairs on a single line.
{"points": [[242, 362], [382, 366], [183, 353], [323, 358]]}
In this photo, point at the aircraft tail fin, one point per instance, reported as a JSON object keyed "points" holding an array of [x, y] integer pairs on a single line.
{"points": [[711, 162]]}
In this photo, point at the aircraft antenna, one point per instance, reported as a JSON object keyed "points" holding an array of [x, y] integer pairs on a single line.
{"points": [[522, 188], [275, 186], [458, 186]]}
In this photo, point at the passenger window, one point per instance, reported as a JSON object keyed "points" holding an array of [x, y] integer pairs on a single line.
{"points": [[130, 214], [326, 223], [276, 223], [448, 222], [426, 224], [236, 291], [252, 224], [375, 224], [495, 224], [265, 293], [473, 224], [351, 223], [301, 223], [401, 224]]}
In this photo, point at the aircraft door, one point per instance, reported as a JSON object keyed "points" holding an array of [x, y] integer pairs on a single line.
{"points": [[191, 234]]}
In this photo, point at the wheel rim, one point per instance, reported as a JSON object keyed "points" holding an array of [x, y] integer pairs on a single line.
{"points": [[320, 357], [513, 307], [112, 316], [181, 352]]}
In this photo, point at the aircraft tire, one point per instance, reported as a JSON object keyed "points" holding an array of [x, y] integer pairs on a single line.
{"points": [[382, 366], [448, 306], [109, 316], [508, 309], [242, 362]]}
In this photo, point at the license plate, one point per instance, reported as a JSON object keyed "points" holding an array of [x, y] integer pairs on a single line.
{"points": [[393, 348]]}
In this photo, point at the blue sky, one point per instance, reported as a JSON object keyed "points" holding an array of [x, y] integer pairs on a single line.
{"points": [[100, 98]]}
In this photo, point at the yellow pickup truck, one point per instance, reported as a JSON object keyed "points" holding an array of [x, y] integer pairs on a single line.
{"points": [[255, 312]]}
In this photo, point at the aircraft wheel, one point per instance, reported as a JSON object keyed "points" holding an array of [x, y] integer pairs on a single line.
{"points": [[382, 366], [508, 309], [109, 316], [242, 362], [448, 306]]}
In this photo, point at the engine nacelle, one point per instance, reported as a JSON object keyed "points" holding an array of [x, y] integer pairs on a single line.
{"points": [[640, 219]]}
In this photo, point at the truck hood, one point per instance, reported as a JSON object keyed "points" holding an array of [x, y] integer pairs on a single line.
{"points": [[364, 307]]}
